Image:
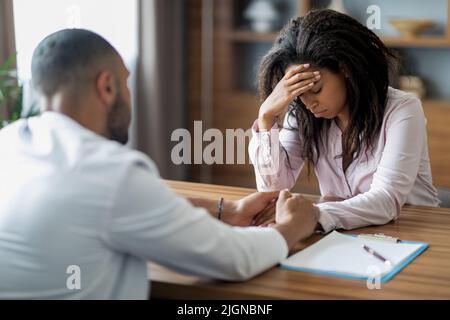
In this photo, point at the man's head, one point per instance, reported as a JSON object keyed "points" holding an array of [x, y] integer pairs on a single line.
{"points": [[80, 74]]}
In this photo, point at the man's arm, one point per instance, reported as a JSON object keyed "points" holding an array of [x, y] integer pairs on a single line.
{"points": [[150, 222], [240, 212], [212, 206]]}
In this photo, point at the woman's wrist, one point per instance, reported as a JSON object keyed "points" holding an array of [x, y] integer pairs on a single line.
{"points": [[318, 227], [266, 121]]}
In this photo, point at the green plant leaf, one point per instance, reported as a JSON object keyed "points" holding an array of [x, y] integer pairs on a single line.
{"points": [[8, 64], [10, 91]]}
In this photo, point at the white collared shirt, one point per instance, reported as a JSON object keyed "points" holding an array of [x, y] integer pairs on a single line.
{"points": [[76, 208]]}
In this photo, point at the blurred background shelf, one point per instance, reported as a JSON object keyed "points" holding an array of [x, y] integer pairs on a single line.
{"points": [[441, 42], [250, 36], [396, 42]]}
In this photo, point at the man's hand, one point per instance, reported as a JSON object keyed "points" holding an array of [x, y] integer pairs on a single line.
{"points": [[267, 217], [296, 218], [243, 212]]}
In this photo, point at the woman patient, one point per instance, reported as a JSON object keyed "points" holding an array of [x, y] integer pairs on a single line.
{"points": [[327, 75]]}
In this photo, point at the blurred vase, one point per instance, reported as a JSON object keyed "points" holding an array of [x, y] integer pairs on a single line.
{"points": [[262, 15], [337, 5]]}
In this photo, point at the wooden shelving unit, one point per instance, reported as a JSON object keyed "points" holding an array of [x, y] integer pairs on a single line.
{"points": [[305, 6], [442, 42], [236, 107], [251, 37]]}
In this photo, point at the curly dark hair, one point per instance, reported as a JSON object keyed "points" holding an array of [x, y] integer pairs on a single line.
{"points": [[332, 40]]}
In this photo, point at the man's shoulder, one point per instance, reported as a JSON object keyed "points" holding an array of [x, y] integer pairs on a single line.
{"points": [[113, 154], [67, 146]]}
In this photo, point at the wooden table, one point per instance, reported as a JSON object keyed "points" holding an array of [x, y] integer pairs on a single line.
{"points": [[427, 277]]}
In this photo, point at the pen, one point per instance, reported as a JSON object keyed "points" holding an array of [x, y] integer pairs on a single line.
{"points": [[377, 255]]}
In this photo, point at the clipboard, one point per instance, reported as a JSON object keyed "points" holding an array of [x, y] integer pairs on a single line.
{"points": [[318, 258]]}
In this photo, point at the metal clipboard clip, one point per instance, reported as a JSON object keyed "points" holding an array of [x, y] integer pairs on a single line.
{"points": [[379, 236]]}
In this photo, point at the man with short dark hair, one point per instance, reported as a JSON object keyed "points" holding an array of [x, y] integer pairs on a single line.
{"points": [[81, 214]]}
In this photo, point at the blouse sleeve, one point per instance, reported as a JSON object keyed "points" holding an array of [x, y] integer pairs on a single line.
{"points": [[276, 157]]}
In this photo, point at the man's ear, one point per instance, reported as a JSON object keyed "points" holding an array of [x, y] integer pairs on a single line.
{"points": [[106, 88]]}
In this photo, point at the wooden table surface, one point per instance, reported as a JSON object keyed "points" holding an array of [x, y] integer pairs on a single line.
{"points": [[427, 277]]}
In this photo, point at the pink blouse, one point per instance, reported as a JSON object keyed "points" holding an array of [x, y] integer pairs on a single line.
{"points": [[397, 173]]}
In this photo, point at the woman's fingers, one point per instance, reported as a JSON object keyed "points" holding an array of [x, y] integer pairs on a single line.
{"points": [[302, 90], [303, 83], [295, 69], [267, 214], [269, 223], [298, 82], [298, 77]]}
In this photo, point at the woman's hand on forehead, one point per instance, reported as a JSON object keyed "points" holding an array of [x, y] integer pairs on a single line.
{"points": [[297, 80]]}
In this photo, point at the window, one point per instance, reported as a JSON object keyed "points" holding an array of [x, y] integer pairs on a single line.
{"points": [[115, 20]]}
